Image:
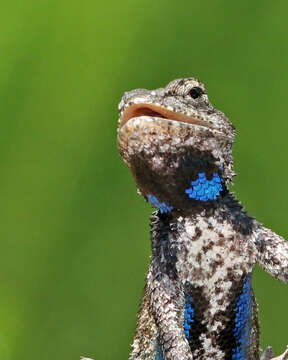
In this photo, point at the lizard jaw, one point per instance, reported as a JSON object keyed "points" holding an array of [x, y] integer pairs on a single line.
{"points": [[156, 111]]}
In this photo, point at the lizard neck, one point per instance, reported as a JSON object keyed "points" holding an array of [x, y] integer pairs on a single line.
{"points": [[204, 190], [180, 181], [223, 208]]}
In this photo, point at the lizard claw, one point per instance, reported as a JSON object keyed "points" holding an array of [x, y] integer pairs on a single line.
{"points": [[269, 355], [284, 356]]}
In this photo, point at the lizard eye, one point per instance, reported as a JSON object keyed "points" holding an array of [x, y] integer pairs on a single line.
{"points": [[195, 92]]}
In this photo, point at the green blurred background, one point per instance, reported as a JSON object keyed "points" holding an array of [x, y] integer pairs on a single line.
{"points": [[74, 233]]}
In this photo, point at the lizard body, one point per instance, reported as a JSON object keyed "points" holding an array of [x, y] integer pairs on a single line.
{"points": [[198, 301]]}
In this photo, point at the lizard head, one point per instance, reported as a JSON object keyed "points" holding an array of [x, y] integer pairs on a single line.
{"points": [[172, 137]]}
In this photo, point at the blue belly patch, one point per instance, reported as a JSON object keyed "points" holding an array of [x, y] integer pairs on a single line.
{"points": [[188, 323], [203, 189], [242, 323], [158, 353], [188, 316], [163, 208]]}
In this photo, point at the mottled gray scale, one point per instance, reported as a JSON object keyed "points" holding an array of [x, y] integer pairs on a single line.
{"points": [[204, 244]]}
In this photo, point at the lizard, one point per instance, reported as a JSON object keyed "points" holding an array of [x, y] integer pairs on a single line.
{"points": [[198, 300]]}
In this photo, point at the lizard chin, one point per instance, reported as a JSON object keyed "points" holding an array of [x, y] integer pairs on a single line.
{"points": [[166, 155], [159, 136]]}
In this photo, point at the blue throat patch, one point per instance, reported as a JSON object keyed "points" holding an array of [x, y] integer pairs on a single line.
{"points": [[203, 189], [242, 322], [159, 205]]}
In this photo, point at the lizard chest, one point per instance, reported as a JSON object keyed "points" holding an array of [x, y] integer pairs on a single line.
{"points": [[215, 264], [211, 252]]}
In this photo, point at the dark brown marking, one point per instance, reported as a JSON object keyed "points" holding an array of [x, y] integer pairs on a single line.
{"points": [[221, 241], [209, 246], [210, 226], [218, 290], [220, 302], [198, 233], [199, 257]]}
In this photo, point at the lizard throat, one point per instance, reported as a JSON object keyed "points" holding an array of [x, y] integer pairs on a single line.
{"points": [[201, 189]]}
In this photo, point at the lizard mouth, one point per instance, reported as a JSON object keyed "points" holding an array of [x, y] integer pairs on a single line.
{"points": [[156, 111]]}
